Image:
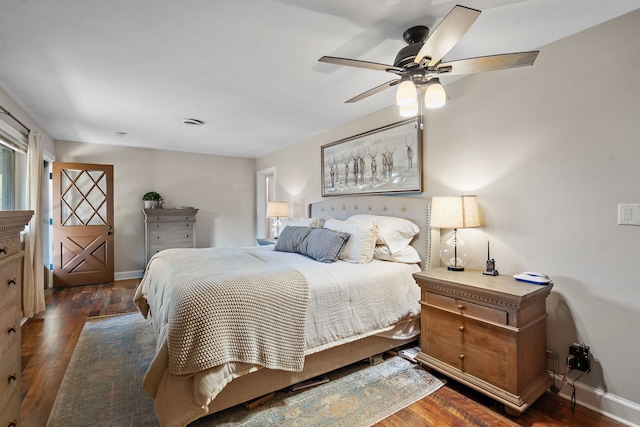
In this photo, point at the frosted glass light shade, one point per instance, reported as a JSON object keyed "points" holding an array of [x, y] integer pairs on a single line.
{"points": [[435, 95], [406, 93], [409, 110]]}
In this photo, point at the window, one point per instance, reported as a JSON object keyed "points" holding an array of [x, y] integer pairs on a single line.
{"points": [[12, 178]]}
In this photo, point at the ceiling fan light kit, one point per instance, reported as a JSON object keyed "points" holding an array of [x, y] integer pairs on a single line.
{"points": [[419, 64]]}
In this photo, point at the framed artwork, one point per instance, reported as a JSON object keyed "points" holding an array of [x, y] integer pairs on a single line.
{"points": [[384, 160]]}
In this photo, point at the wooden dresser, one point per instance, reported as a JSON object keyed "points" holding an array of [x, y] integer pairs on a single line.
{"points": [[11, 254], [168, 228], [487, 332]]}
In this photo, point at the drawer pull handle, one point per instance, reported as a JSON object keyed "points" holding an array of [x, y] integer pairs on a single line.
{"points": [[13, 423], [157, 237], [461, 357], [11, 281], [461, 328], [3, 250], [460, 307], [186, 225], [157, 225], [186, 235], [11, 330], [12, 378]]}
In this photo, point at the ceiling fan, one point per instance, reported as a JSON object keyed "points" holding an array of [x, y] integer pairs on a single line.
{"points": [[420, 63]]}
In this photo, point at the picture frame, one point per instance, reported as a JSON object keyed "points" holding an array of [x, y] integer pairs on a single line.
{"points": [[384, 160]]}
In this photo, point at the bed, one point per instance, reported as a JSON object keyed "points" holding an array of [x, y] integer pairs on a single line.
{"points": [[189, 379]]}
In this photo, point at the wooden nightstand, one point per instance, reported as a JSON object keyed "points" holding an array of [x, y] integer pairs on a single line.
{"points": [[487, 332]]}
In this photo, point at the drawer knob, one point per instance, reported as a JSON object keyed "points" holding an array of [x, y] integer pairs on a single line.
{"points": [[11, 281], [157, 237], [11, 330], [12, 378], [461, 357], [461, 328], [460, 307], [186, 235], [186, 225], [157, 225], [3, 250]]}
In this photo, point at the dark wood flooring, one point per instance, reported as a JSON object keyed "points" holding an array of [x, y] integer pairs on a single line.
{"points": [[48, 341]]}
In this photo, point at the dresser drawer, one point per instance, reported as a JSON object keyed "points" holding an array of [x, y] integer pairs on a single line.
{"points": [[486, 365], [170, 218], [466, 308], [10, 374], [8, 246], [9, 330], [468, 331], [171, 233], [154, 249], [9, 285]]}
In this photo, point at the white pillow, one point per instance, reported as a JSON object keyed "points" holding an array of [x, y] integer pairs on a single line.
{"points": [[394, 232], [302, 222], [408, 255], [361, 244]]}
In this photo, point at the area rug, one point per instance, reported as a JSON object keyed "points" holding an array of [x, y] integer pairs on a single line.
{"points": [[103, 387]]}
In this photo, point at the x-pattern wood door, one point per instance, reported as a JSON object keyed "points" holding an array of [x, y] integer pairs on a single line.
{"points": [[82, 224]]}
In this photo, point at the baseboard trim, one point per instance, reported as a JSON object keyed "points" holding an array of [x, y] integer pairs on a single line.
{"points": [[124, 275], [622, 410]]}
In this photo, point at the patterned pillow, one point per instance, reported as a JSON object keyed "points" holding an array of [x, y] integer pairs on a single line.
{"points": [[318, 243]]}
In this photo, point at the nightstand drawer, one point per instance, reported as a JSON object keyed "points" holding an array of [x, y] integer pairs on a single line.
{"points": [[474, 361], [468, 331], [465, 308]]}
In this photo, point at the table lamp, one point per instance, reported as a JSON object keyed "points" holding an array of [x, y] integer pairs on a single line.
{"points": [[277, 210], [455, 212]]}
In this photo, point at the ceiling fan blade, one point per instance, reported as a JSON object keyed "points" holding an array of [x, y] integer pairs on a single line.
{"points": [[446, 35], [487, 63], [373, 91], [360, 64]]}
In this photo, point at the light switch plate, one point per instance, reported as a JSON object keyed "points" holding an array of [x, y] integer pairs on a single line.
{"points": [[629, 214]]}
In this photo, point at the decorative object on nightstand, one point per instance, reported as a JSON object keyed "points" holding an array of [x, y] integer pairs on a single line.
{"points": [[168, 228], [488, 333], [490, 268], [152, 200], [11, 254], [277, 210], [455, 212]]}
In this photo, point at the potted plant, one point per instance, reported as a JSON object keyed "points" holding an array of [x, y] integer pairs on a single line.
{"points": [[152, 200]]}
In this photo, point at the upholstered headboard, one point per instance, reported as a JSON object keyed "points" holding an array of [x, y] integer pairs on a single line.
{"points": [[416, 209]]}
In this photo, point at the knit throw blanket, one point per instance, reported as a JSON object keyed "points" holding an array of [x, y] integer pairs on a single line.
{"points": [[230, 306]]}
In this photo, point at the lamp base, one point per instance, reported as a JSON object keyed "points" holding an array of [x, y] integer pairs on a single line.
{"points": [[454, 268]]}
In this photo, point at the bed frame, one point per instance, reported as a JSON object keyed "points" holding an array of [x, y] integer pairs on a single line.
{"points": [[265, 381]]}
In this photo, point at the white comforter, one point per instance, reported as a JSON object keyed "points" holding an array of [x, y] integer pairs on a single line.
{"points": [[347, 302]]}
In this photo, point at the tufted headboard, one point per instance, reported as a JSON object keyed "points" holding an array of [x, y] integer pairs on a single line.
{"points": [[416, 209]]}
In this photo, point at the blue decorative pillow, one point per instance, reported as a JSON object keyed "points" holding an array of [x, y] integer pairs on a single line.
{"points": [[320, 244]]}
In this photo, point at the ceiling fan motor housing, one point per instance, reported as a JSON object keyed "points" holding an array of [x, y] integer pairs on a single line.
{"points": [[415, 38]]}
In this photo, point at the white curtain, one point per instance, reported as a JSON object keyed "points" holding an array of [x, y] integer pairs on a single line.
{"points": [[33, 278]]}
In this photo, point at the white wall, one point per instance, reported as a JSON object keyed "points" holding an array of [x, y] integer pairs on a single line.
{"points": [[550, 150], [222, 188]]}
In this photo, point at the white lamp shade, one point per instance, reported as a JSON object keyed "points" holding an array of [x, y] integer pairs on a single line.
{"points": [[406, 93], [435, 95], [409, 110], [455, 212], [277, 209]]}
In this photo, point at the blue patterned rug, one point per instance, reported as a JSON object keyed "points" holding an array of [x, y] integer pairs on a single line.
{"points": [[103, 387]]}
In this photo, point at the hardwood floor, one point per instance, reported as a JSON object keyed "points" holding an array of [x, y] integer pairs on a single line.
{"points": [[48, 341]]}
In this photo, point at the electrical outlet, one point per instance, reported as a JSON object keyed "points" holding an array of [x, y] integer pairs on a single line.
{"points": [[579, 357]]}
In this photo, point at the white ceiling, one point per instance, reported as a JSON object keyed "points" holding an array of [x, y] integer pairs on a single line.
{"points": [[86, 69]]}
